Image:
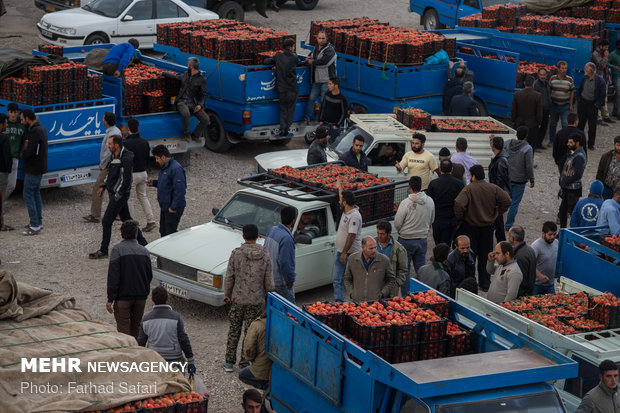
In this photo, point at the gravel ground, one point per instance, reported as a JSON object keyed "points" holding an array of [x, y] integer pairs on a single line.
{"points": [[57, 259]]}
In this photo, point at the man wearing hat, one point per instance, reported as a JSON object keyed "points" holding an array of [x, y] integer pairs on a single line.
{"points": [[316, 151], [587, 209], [608, 171]]}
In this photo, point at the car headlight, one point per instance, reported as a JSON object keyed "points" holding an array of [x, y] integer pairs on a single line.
{"points": [[209, 279], [65, 30]]}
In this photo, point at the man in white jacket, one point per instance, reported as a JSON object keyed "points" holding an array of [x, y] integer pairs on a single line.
{"points": [[506, 275], [413, 221]]}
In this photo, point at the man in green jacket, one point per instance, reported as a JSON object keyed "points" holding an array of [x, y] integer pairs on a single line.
{"points": [[368, 275], [257, 374], [388, 246]]}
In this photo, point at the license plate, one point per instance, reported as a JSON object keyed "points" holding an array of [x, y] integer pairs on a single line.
{"points": [[75, 177], [45, 33], [174, 290], [50, 8], [170, 146]]}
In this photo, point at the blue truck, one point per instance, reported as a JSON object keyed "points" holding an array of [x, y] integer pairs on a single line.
{"points": [[316, 369], [439, 14]]}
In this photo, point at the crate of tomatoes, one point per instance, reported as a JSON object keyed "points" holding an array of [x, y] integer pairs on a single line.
{"points": [[605, 309], [458, 340], [431, 301], [432, 349], [611, 242], [331, 314]]}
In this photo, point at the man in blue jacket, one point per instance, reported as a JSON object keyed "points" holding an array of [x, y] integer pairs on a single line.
{"points": [[171, 186], [587, 209], [119, 57], [355, 157], [281, 247], [592, 94]]}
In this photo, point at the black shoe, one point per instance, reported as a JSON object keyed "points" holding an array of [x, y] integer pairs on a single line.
{"points": [[609, 120], [97, 255]]}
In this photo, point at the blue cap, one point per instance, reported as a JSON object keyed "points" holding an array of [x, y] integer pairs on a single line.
{"points": [[596, 188]]}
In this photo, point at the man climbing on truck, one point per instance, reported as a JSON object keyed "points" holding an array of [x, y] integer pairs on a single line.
{"points": [[323, 63], [286, 84], [119, 57], [603, 398]]}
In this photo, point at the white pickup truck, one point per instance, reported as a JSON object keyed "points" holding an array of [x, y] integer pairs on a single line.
{"points": [[381, 130]]}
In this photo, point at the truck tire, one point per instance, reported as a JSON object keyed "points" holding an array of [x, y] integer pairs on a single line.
{"points": [[96, 38], [216, 139], [357, 108], [430, 20], [231, 10], [306, 4], [482, 108]]}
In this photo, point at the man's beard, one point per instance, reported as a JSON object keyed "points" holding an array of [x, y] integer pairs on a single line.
{"points": [[416, 150]]}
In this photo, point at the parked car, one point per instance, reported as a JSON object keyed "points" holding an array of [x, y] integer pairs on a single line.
{"points": [[116, 21]]}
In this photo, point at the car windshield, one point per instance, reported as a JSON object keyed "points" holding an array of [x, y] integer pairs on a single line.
{"points": [[107, 8], [547, 402], [245, 209], [344, 142]]}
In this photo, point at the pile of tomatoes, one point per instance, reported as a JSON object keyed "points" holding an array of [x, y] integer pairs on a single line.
{"points": [[612, 242], [186, 402], [469, 126], [430, 300], [326, 176]]}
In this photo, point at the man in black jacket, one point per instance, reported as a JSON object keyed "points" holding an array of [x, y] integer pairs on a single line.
{"points": [[355, 157], [316, 151], [592, 93], [141, 154], [464, 104], [453, 87], [191, 98], [118, 185], [560, 150], [443, 191], [334, 108], [322, 61], [6, 164], [129, 280], [499, 174], [35, 165], [286, 83]]}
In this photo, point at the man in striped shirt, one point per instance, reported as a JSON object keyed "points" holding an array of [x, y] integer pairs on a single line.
{"points": [[562, 95]]}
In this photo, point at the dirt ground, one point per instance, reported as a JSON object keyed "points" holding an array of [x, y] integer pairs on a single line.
{"points": [[57, 258]]}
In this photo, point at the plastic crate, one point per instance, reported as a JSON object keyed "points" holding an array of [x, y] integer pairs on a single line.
{"points": [[608, 315], [434, 330], [385, 352], [199, 406], [432, 349], [457, 345], [405, 353], [406, 334], [369, 336], [333, 320], [441, 309]]}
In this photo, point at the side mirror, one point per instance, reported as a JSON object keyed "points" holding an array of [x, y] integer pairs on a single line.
{"points": [[303, 239], [128, 18], [214, 211]]}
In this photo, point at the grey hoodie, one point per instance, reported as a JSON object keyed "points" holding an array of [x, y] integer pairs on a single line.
{"points": [[414, 216], [520, 161]]}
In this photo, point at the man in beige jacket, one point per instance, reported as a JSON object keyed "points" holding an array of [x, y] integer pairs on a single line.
{"points": [[368, 276]]}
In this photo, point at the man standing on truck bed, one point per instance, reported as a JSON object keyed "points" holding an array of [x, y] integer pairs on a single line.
{"points": [[280, 244], [35, 165], [368, 275], [348, 239], [418, 161], [604, 398], [16, 132], [286, 84], [506, 275], [119, 57], [322, 61]]}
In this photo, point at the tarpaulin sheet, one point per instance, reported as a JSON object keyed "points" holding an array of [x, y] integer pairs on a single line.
{"points": [[13, 61], [551, 6]]}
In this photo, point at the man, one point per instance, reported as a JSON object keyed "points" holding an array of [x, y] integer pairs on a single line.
{"points": [[453, 87], [368, 276], [118, 185], [35, 165], [334, 108], [603, 398], [389, 157], [464, 103], [355, 157], [16, 132], [546, 250], [6, 163], [316, 151], [258, 373], [248, 280], [286, 84], [105, 156], [191, 99], [435, 274], [608, 171], [562, 95], [280, 245], [521, 167], [413, 221], [129, 278], [527, 110], [462, 157], [252, 401], [526, 260], [171, 185], [119, 57], [586, 211], [141, 154], [610, 213], [542, 86], [388, 246], [477, 208], [443, 191], [600, 57], [348, 239], [461, 263], [419, 162], [570, 179], [499, 174], [164, 330], [506, 275], [592, 92], [614, 64], [322, 61], [560, 150]]}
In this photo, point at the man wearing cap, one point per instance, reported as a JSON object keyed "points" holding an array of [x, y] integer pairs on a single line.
{"points": [[316, 151], [608, 171], [587, 209], [119, 57]]}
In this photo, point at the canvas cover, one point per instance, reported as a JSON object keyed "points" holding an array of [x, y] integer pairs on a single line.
{"points": [[13, 61], [551, 6]]}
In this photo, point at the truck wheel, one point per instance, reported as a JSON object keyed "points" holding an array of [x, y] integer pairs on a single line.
{"points": [[96, 39], [216, 139], [482, 108], [357, 108], [430, 20], [281, 142], [306, 4], [231, 10]]}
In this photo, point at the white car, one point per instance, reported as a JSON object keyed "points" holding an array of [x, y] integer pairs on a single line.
{"points": [[116, 21]]}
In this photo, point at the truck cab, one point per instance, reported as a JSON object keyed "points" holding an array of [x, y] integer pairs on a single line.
{"points": [[438, 14]]}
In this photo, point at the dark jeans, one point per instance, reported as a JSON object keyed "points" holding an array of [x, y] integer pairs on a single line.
{"points": [[569, 200], [542, 131], [128, 315], [288, 102], [481, 242], [246, 376], [500, 233], [587, 112], [186, 113], [558, 112], [416, 252], [115, 208], [169, 221], [109, 68], [443, 231], [532, 136], [32, 198], [544, 289]]}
